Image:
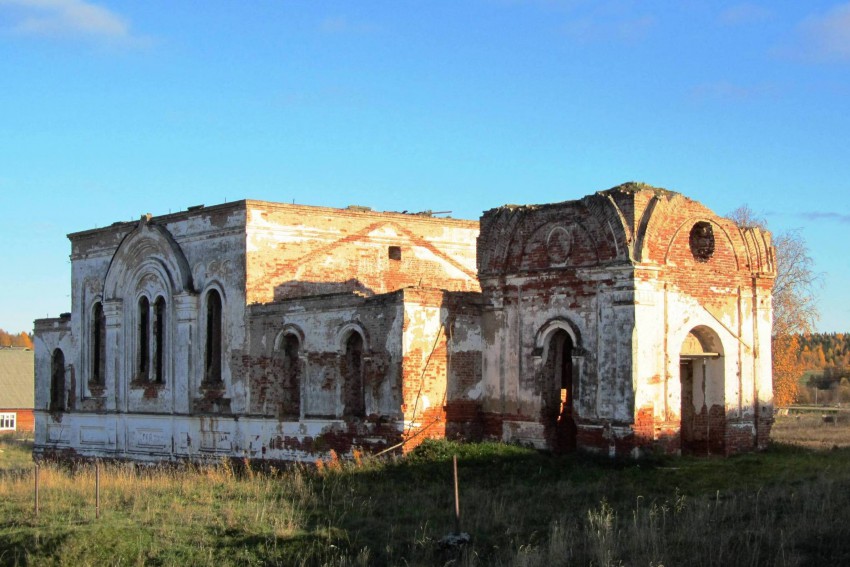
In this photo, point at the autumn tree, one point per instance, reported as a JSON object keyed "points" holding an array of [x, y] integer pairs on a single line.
{"points": [[794, 309], [21, 339], [787, 369]]}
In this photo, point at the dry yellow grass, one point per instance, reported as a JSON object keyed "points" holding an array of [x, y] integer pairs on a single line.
{"points": [[812, 431], [521, 507]]}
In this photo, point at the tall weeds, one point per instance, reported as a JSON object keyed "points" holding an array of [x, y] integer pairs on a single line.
{"points": [[784, 507]]}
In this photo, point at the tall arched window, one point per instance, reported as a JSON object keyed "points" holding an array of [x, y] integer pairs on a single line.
{"points": [[352, 374], [143, 350], [291, 376], [159, 339], [98, 345], [212, 358], [57, 381]]}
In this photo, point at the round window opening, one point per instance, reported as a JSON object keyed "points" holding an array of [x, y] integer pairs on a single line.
{"points": [[702, 241]]}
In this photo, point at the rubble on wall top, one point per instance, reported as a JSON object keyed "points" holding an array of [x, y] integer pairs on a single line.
{"points": [[629, 187], [637, 187]]}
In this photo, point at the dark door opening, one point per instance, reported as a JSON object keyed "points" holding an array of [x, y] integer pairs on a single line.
{"points": [[561, 410]]}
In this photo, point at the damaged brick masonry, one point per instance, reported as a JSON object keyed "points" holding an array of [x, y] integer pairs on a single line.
{"points": [[632, 319]]}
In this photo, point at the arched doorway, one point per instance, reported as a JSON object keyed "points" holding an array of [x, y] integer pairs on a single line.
{"points": [[560, 402], [703, 399]]}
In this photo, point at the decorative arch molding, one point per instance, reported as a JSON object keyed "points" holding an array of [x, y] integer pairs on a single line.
{"points": [[553, 325], [701, 340], [712, 338], [608, 214], [149, 247], [560, 239], [496, 230], [345, 333], [544, 334], [150, 278], [689, 223], [289, 329], [640, 252], [759, 249], [595, 224]]}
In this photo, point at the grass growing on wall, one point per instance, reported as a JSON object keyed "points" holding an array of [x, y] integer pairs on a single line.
{"points": [[787, 506]]}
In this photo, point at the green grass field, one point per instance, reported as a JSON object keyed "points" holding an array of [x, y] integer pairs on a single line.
{"points": [[786, 506]]}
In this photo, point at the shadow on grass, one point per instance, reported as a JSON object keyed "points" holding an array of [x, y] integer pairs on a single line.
{"points": [[19, 547], [512, 498]]}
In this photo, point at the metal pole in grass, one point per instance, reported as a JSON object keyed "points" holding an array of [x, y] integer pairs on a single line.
{"points": [[97, 489], [457, 496], [36, 489]]}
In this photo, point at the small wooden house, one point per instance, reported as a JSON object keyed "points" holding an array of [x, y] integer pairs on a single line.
{"points": [[17, 388]]}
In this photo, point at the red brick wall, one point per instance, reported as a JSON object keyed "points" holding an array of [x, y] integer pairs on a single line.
{"points": [[25, 420], [296, 251]]}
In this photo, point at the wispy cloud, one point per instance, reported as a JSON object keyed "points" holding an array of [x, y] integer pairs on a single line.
{"points": [[745, 14], [827, 216], [824, 37], [595, 28], [725, 90], [65, 18], [342, 25]]}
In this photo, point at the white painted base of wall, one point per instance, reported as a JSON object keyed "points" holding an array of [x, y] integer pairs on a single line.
{"points": [[155, 438]]}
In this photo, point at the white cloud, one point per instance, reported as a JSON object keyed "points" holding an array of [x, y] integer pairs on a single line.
{"points": [[826, 37], [64, 18]]}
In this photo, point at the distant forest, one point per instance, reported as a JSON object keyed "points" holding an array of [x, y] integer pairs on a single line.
{"points": [[823, 350], [21, 339], [826, 357]]}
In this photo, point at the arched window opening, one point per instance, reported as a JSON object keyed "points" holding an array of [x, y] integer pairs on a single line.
{"points": [[98, 346], [159, 339], [561, 403], [143, 356], [291, 376], [212, 359], [352, 373], [57, 381]]}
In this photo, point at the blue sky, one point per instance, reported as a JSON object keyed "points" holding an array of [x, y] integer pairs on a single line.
{"points": [[112, 109]]}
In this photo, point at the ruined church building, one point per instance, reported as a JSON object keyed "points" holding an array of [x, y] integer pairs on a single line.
{"points": [[631, 320]]}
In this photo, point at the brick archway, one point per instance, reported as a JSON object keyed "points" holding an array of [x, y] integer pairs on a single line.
{"points": [[703, 398]]}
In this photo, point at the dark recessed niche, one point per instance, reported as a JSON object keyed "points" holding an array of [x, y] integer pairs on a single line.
{"points": [[702, 241], [394, 253]]}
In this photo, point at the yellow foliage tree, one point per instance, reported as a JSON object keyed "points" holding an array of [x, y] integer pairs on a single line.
{"points": [[787, 369], [794, 309]]}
